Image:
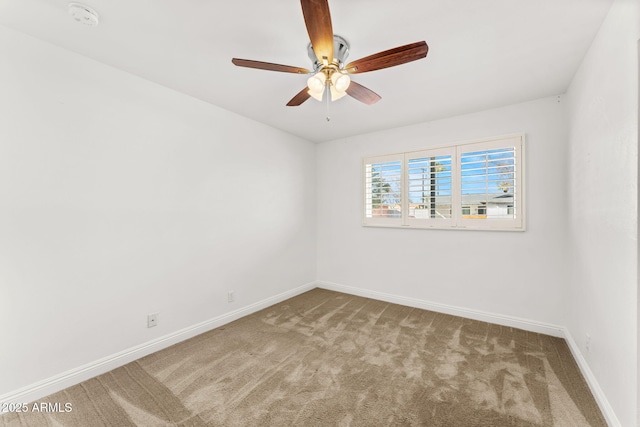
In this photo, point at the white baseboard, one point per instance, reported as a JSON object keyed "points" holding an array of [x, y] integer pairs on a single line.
{"points": [[515, 322], [598, 394], [74, 376], [69, 378]]}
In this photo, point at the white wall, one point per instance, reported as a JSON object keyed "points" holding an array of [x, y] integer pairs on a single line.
{"points": [[603, 212], [507, 273], [119, 198]]}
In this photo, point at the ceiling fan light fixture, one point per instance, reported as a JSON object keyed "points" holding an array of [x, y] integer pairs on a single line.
{"points": [[316, 85], [336, 94], [340, 81], [316, 95], [316, 82], [339, 84]]}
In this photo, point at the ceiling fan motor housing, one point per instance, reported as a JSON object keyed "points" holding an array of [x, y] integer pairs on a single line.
{"points": [[340, 52]]}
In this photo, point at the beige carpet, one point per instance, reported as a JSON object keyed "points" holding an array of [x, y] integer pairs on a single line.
{"points": [[329, 359]]}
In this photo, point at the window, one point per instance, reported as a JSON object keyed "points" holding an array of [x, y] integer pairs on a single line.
{"points": [[429, 187], [476, 185], [383, 190]]}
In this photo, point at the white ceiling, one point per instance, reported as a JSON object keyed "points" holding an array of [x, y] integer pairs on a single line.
{"points": [[483, 53]]}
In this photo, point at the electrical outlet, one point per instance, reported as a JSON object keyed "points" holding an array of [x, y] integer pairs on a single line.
{"points": [[230, 296], [152, 320], [587, 343]]}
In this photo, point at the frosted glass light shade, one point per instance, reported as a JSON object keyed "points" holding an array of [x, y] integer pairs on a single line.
{"points": [[316, 95], [336, 94], [316, 82], [340, 81]]}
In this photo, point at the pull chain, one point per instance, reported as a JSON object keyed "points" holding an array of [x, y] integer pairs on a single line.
{"points": [[328, 96]]}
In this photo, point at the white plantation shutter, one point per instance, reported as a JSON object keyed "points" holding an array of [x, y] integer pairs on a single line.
{"points": [[491, 184], [429, 195], [475, 185], [383, 190]]}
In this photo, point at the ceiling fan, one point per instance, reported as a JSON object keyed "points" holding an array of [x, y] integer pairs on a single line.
{"points": [[328, 53]]}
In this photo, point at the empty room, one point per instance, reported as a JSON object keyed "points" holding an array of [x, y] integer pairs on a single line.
{"points": [[319, 213]]}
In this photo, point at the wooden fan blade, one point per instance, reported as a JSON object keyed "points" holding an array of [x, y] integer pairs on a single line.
{"points": [[269, 66], [389, 58], [302, 96], [362, 93], [317, 18]]}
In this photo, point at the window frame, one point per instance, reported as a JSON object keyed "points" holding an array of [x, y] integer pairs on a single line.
{"points": [[456, 151]]}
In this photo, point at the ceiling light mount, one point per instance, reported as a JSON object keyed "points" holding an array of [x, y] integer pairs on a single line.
{"points": [[340, 52], [83, 14]]}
